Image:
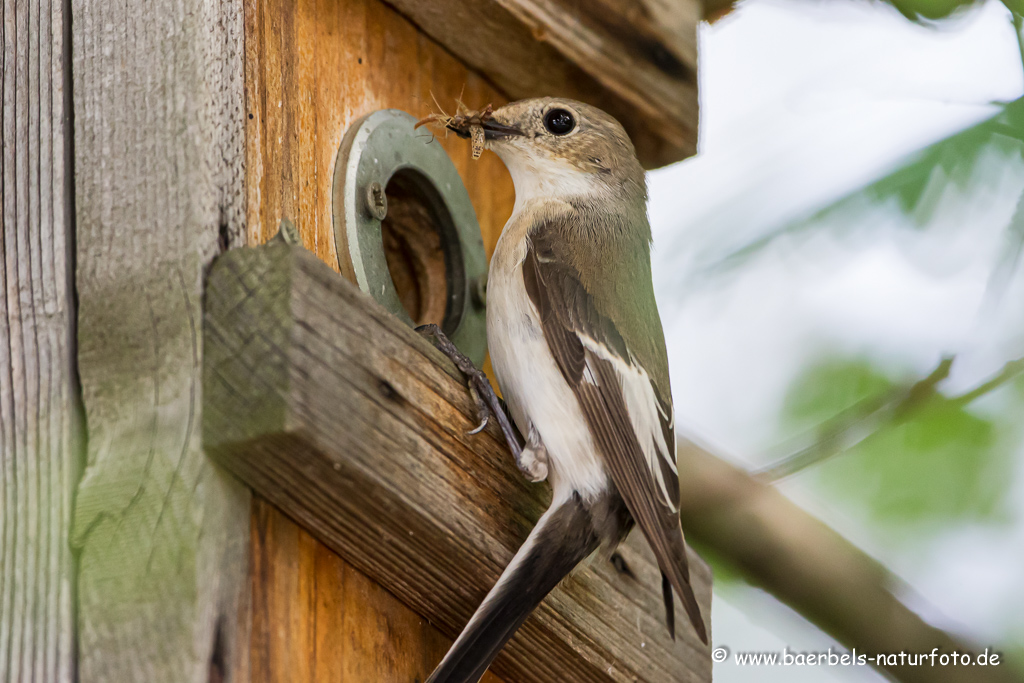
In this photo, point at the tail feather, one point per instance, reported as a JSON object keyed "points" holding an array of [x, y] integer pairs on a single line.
{"points": [[678, 577], [670, 605], [693, 612], [564, 537]]}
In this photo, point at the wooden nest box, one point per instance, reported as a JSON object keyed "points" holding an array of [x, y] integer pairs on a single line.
{"points": [[264, 474], [340, 417]]}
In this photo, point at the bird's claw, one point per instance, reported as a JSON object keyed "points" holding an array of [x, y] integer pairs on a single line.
{"points": [[479, 427], [487, 402], [482, 411]]}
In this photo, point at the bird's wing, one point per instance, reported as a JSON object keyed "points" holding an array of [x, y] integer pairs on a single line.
{"points": [[631, 421]]}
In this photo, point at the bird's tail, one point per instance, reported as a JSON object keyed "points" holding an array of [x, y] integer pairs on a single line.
{"points": [[677, 575], [564, 537]]}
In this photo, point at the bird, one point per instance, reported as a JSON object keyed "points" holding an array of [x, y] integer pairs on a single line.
{"points": [[577, 346]]}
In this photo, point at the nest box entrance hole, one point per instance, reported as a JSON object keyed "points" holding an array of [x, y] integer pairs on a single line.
{"points": [[422, 249]]}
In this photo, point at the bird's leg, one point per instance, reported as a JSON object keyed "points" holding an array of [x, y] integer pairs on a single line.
{"points": [[487, 402]]}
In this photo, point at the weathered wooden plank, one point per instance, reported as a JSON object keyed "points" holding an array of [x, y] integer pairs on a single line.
{"points": [[316, 618], [39, 431], [356, 427], [158, 98], [636, 60], [312, 68]]}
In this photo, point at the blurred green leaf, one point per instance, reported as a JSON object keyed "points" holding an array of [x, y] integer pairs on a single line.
{"points": [[928, 9], [964, 161], [724, 572], [826, 389], [942, 463], [1012, 654], [951, 163]]}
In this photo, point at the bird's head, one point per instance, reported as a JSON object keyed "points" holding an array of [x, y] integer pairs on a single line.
{"points": [[560, 148]]}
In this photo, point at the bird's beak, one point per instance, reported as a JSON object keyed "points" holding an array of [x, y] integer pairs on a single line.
{"points": [[493, 130]]}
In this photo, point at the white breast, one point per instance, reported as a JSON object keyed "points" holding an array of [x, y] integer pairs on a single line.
{"points": [[530, 380]]}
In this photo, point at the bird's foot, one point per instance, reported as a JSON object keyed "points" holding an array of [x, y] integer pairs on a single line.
{"points": [[533, 463], [487, 402]]}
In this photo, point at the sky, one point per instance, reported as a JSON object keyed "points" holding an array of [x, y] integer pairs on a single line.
{"points": [[802, 103]]}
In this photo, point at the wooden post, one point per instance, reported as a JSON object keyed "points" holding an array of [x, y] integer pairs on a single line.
{"points": [[39, 431], [162, 534]]}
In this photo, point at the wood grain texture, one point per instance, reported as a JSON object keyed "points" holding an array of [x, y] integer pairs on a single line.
{"points": [[315, 66], [356, 427], [635, 59], [158, 99], [39, 431], [317, 619]]}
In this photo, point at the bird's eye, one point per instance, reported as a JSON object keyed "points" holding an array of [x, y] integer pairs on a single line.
{"points": [[559, 122]]}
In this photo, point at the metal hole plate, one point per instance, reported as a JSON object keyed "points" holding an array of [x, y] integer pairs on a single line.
{"points": [[375, 148]]}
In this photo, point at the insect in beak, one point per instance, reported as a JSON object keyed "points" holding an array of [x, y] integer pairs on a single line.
{"points": [[480, 128], [476, 125], [492, 129]]}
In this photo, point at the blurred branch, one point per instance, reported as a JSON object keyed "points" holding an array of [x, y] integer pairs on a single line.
{"points": [[1009, 371], [808, 566], [857, 423], [869, 416]]}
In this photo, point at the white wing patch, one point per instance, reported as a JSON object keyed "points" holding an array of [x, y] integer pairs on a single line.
{"points": [[644, 412]]}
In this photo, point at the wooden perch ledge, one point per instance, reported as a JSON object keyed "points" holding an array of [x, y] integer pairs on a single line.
{"points": [[355, 426]]}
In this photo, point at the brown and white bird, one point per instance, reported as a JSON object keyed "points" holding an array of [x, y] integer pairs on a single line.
{"points": [[578, 349]]}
